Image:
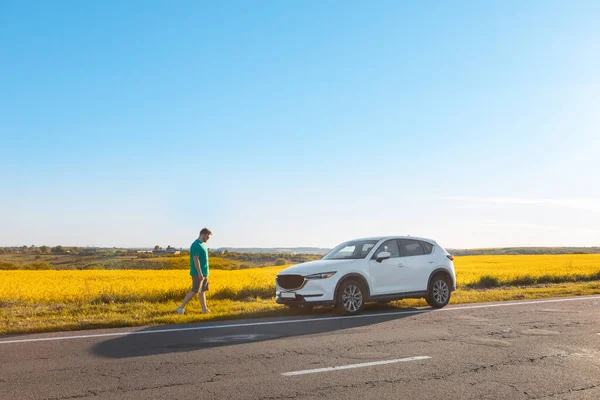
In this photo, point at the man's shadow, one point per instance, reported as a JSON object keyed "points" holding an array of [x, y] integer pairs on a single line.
{"points": [[191, 337]]}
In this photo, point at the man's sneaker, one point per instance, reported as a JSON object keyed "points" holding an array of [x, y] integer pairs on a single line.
{"points": [[180, 310]]}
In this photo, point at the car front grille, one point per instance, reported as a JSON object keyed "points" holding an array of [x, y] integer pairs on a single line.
{"points": [[290, 282]]}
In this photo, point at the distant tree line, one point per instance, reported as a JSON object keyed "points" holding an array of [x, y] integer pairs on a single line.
{"points": [[524, 251], [272, 257], [58, 250], [267, 257]]}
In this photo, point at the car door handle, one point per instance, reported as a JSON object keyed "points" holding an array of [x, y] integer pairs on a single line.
{"points": [[400, 265], [431, 262]]}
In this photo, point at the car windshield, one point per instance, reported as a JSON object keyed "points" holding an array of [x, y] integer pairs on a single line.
{"points": [[354, 250]]}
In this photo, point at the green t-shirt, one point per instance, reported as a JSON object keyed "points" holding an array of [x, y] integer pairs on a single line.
{"points": [[198, 248]]}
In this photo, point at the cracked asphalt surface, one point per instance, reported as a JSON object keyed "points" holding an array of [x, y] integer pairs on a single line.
{"points": [[525, 351]]}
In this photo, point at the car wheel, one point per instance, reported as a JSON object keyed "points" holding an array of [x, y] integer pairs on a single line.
{"points": [[439, 292], [350, 298]]}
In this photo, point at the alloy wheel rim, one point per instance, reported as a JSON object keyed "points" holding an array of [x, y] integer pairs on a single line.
{"points": [[352, 298], [440, 291]]}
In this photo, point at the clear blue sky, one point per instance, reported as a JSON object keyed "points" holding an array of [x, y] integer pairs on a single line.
{"points": [[306, 123]]}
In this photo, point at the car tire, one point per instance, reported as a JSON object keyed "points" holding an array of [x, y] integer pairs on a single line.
{"points": [[350, 298], [438, 294]]}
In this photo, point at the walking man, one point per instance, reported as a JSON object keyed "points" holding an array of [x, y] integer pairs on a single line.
{"points": [[198, 271]]}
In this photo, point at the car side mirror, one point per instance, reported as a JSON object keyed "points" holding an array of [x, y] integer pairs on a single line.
{"points": [[384, 255]]}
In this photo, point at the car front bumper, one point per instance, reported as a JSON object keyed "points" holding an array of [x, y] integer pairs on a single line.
{"points": [[314, 300], [313, 291]]}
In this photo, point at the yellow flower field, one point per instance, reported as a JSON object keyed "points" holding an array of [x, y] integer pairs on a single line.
{"points": [[511, 269], [129, 285], [54, 300]]}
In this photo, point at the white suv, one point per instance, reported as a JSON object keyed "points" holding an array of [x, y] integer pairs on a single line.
{"points": [[373, 269]]}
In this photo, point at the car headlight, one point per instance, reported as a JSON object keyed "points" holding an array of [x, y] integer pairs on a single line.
{"points": [[321, 275]]}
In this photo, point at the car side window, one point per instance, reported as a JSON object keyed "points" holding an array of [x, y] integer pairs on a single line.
{"points": [[427, 247], [411, 248], [391, 246]]}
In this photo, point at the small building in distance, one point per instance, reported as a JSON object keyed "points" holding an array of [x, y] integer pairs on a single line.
{"points": [[168, 250]]}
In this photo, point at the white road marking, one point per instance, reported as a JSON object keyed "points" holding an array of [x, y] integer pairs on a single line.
{"points": [[298, 321], [362, 365]]}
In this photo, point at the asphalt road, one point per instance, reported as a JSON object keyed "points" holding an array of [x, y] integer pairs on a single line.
{"points": [[547, 349]]}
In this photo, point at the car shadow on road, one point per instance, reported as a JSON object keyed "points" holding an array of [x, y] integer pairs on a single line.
{"points": [[193, 337]]}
